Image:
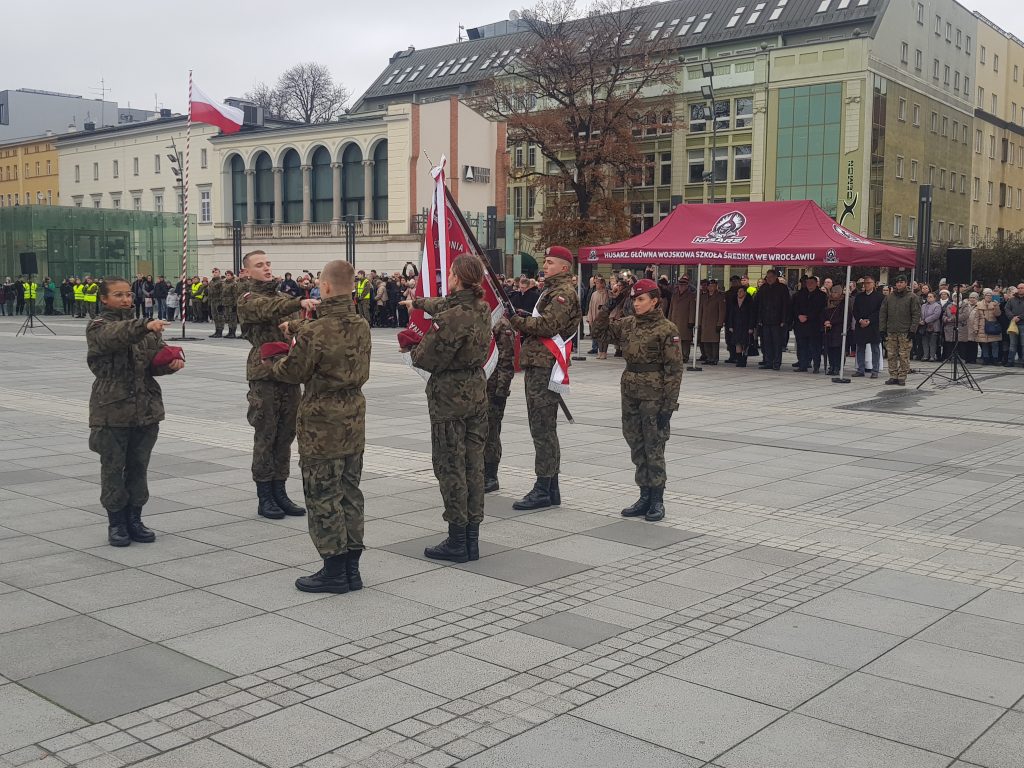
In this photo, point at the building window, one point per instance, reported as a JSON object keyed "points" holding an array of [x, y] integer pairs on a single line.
{"points": [[920, 13], [117, 202], [981, 54], [945, 126], [95, 171], [665, 177], [117, 169], [995, 104], [156, 163], [321, 181], [938, 25], [135, 166], [899, 167], [959, 38], [517, 204], [912, 227], [942, 178], [742, 162], [981, 97], [913, 170], [202, 158], [96, 202], [698, 118], [995, 62], [917, 114], [992, 146], [918, 59], [977, 189], [931, 174], [531, 155], [695, 161], [935, 122], [531, 202], [904, 53], [945, 75], [136, 202], [967, 88], [78, 175], [808, 144], [991, 188], [205, 207], [977, 140], [897, 225], [158, 202], [956, 131], [744, 113], [935, 69], [956, 81], [902, 114]]}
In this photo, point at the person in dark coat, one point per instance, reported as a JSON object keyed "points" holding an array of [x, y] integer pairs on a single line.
{"points": [[773, 319], [740, 324], [682, 310], [832, 325], [866, 307], [808, 310], [526, 297], [711, 322]]}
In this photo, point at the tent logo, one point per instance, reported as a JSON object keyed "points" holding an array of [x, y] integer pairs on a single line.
{"points": [[830, 257], [592, 256], [849, 235], [726, 230]]}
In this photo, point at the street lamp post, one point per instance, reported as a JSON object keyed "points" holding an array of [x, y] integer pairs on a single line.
{"points": [[708, 92]]}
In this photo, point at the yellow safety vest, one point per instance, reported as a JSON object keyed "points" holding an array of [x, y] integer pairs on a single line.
{"points": [[90, 292], [363, 289], [79, 291], [28, 291]]}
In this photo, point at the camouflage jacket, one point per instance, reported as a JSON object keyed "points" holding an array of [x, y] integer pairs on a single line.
{"points": [[260, 310], [229, 294], [646, 340], [331, 357], [215, 291], [120, 350], [500, 382], [559, 309], [454, 351]]}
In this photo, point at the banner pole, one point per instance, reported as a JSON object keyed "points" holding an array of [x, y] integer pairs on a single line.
{"points": [[696, 327], [184, 206]]}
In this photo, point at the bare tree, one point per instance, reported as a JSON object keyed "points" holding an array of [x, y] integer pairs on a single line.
{"points": [[578, 90], [305, 92]]}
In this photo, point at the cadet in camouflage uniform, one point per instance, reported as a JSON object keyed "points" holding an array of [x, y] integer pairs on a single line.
{"points": [[272, 404], [454, 352], [650, 389], [331, 357], [229, 299], [557, 313], [499, 385], [215, 295], [125, 407]]}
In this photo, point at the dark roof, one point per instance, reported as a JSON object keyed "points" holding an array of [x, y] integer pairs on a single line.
{"points": [[692, 23]]}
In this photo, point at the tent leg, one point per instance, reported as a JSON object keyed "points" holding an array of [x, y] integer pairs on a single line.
{"points": [[579, 356], [696, 329], [841, 378]]}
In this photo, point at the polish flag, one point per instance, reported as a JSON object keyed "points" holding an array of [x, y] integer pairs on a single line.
{"points": [[203, 109]]}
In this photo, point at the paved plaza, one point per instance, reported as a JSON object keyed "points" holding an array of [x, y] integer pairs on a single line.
{"points": [[839, 582]]}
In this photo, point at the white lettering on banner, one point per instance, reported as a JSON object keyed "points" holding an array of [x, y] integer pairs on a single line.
{"points": [[711, 256]]}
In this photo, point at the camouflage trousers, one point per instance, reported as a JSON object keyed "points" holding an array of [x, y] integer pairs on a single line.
{"points": [[124, 460], [646, 441], [457, 451], [273, 408], [223, 316], [897, 350], [492, 449], [542, 411], [334, 503]]}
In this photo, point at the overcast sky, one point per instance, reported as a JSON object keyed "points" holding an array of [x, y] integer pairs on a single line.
{"points": [[143, 50]]}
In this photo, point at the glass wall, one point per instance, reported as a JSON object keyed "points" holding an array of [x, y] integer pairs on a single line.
{"points": [[74, 242], [807, 156]]}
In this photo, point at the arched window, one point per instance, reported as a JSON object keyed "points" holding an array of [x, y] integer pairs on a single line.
{"points": [[264, 189], [291, 188], [239, 191], [380, 181], [352, 190], [323, 186]]}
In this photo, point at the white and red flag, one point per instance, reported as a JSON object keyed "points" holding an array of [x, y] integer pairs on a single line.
{"points": [[448, 236], [203, 109]]}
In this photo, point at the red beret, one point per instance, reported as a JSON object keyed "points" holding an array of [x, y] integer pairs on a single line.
{"points": [[166, 356], [643, 286], [408, 338], [559, 252], [272, 349]]}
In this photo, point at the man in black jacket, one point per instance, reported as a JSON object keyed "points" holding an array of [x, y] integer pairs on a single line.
{"points": [[526, 296], [160, 291], [773, 319], [866, 328], [808, 310]]}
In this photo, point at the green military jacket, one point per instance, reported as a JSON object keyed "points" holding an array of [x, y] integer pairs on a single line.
{"points": [[500, 381], [331, 357], [454, 352], [559, 310], [120, 351], [215, 291], [650, 340], [900, 313], [260, 310], [228, 294]]}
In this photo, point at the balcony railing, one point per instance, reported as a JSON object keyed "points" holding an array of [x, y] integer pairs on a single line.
{"points": [[290, 230], [309, 229], [376, 227], [320, 229], [261, 231]]}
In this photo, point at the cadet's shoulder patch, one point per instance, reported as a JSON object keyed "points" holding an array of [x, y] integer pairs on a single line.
{"points": [[560, 299], [509, 332], [435, 326], [675, 339], [247, 294]]}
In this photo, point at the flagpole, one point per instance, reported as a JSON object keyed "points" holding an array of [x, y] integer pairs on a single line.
{"points": [[184, 206]]}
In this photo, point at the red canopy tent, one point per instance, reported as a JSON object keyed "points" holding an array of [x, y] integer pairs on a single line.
{"points": [[795, 232]]}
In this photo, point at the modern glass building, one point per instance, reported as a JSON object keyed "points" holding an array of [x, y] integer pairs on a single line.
{"points": [[73, 242]]}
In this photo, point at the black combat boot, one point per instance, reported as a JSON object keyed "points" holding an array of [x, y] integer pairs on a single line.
{"points": [[217, 334], [355, 581], [490, 477], [333, 577], [741, 361], [231, 335], [136, 530], [117, 532], [473, 541], [268, 507], [641, 505], [281, 497], [538, 497], [453, 548], [553, 492], [657, 510]]}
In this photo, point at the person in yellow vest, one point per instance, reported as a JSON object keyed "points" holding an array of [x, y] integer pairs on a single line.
{"points": [[78, 289], [90, 294], [196, 296], [30, 289], [364, 295]]}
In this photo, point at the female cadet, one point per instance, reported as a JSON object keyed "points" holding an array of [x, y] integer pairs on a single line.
{"points": [[126, 405], [650, 388], [454, 351]]}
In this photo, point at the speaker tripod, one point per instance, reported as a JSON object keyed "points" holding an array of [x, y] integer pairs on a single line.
{"points": [[31, 321], [958, 374]]}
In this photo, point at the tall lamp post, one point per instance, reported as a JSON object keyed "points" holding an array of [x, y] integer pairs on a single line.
{"points": [[708, 92]]}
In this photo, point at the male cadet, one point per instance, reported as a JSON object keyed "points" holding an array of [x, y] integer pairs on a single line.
{"points": [[215, 295], [556, 317], [272, 403], [364, 295], [229, 294], [331, 357]]}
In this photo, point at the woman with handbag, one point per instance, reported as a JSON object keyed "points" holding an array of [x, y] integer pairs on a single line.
{"points": [[987, 330]]}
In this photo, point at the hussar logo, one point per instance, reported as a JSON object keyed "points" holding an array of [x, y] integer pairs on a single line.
{"points": [[726, 230], [592, 256], [849, 235], [830, 257]]}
